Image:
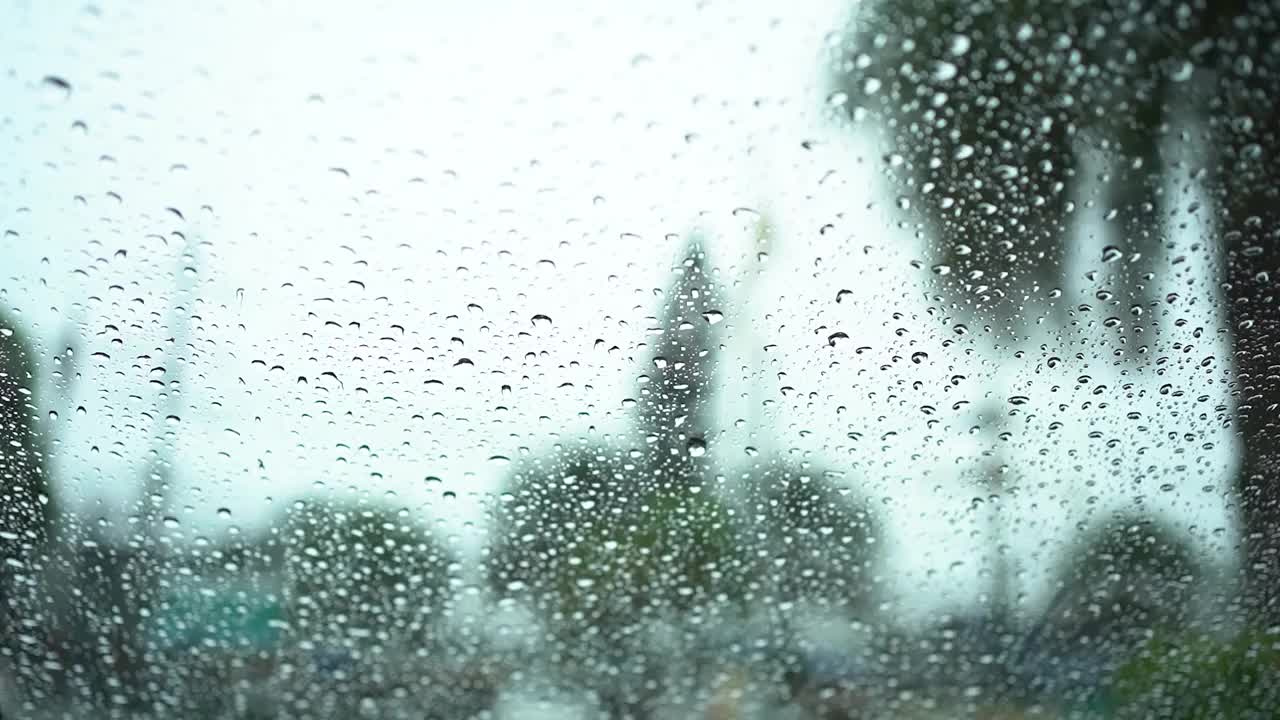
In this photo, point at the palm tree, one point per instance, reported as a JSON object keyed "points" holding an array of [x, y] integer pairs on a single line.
{"points": [[986, 106], [973, 99], [1245, 116]]}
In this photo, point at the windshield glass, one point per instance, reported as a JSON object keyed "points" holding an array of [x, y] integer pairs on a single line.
{"points": [[893, 358]]}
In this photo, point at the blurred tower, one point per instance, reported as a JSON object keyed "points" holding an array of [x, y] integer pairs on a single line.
{"points": [[675, 413]]}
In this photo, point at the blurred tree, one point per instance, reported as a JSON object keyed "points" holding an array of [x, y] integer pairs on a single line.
{"points": [[597, 545], [817, 540], [975, 100], [985, 104], [609, 544], [362, 575], [606, 550], [548, 510], [28, 514], [365, 594], [1122, 581], [1244, 115], [602, 534], [1189, 676], [27, 507]]}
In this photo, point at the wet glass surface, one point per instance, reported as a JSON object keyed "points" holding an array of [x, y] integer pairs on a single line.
{"points": [[899, 359]]}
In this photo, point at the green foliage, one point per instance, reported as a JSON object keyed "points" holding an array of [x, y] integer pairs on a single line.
{"points": [[354, 569], [1185, 677], [590, 537], [817, 542], [602, 539]]}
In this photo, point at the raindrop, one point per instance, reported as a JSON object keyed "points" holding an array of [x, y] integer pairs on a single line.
{"points": [[697, 447], [1111, 253], [835, 338], [713, 316], [56, 87], [544, 320], [919, 357]]}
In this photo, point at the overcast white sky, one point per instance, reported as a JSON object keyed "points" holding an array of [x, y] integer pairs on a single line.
{"points": [[374, 183]]}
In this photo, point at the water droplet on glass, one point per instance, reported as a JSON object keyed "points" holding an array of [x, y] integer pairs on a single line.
{"points": [[697, 447], [56, 87]]}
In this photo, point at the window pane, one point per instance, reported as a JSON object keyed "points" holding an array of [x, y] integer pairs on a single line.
{"points": [[888, 359]]}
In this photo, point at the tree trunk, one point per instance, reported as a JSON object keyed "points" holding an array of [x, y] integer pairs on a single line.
{"points": [[1249, 125]]}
